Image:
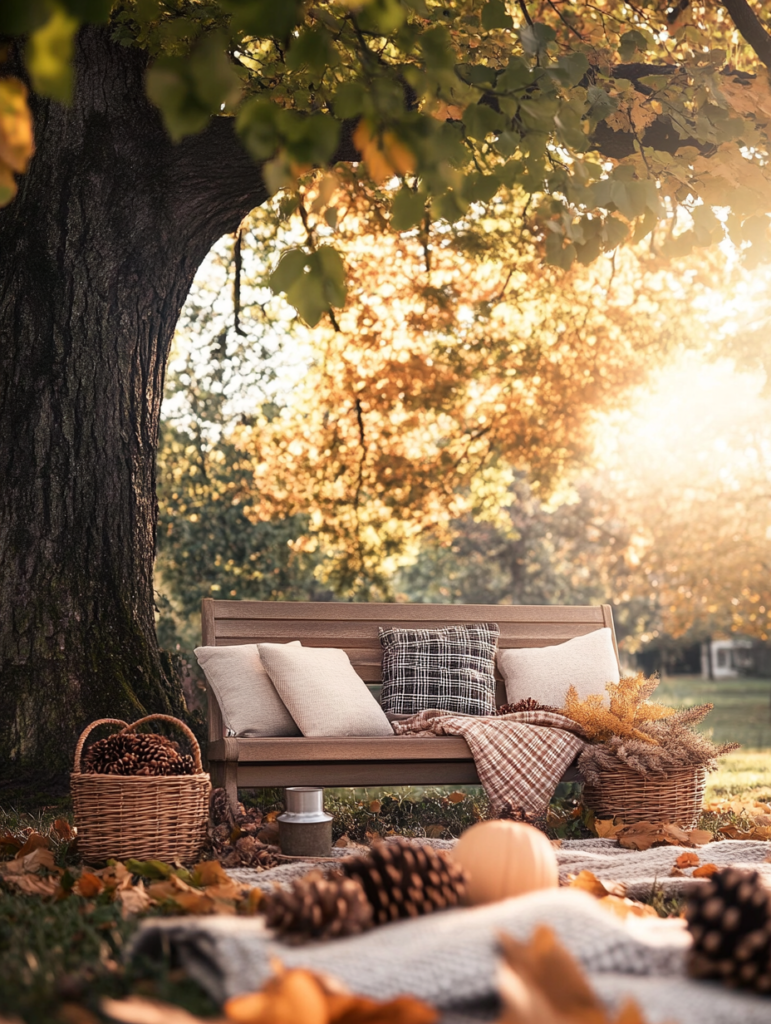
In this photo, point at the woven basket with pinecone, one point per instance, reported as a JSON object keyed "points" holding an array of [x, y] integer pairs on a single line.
{"points": [[130, 753], [729, 919], [316, 907], [402, 880]]}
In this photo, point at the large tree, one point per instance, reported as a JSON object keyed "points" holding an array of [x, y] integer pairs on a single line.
{"points": [[120, 204]]}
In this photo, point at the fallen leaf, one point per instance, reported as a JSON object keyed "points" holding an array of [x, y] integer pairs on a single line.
{"points": [[138, 1010], [705, 871], [607, 829], [9, 843], [556, 843], [350, 1009], [687, 860], [34, 842], [269, 835], [761, 832], [677, 873], [64, 830], [33, 885], [625, 907], [375, 806], [700, 837], [587, 881], [343, 841], [271, 816], [88, 885], [457, 797], [211, 872], [135, 900], [291, 997], [435, 831], [539, 982]]}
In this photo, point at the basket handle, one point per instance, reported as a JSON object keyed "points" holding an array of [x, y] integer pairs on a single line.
{"points": [[174, 721], [85, 734]]}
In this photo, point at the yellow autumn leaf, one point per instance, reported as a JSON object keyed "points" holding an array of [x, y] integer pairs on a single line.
{"points": [[17, 142], [385, 155]]}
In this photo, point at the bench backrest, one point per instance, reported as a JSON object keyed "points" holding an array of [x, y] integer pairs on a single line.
{"points": [[354, 627]]}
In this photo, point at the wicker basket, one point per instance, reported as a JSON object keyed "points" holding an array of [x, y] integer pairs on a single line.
{"points": [[159, 817], [675, 798]]}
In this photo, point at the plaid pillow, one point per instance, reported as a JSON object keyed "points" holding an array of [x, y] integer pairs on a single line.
{"points": [[451, 669]]}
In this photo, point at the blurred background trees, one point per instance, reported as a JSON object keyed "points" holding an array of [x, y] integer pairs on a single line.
{"points": [[472, 426]]}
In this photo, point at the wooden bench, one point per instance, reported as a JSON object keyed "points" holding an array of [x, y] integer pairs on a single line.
{"points": [[364, 761]]}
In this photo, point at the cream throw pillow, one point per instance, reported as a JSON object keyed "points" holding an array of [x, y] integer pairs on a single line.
{"points": [[248, 699], [322, 691], [545, 673]]}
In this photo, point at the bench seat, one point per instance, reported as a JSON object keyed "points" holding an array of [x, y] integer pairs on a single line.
{"points": [[364, 760]]}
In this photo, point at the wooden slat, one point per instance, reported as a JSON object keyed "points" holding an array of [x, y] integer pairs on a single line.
{"points": [[207, 623], [345, 748], [357, 773], [352, 651], [448, 614], [365, 634]]}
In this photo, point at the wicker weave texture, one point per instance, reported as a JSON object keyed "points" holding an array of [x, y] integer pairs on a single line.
{"points": [[675, 798], [144, 817]]}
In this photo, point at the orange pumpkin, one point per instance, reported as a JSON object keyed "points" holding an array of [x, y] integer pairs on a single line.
{"points": [[505, 858]]}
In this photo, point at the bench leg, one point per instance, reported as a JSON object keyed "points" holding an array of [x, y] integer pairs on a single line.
{"points": [[224, 774]]}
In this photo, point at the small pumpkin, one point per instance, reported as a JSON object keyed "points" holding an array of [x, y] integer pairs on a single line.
{"points": [[503, 859]]}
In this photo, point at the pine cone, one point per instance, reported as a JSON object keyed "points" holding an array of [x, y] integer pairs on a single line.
{"points": [[402, 880], [220, 811], [318, 908], [729, 919], [526, 704]]}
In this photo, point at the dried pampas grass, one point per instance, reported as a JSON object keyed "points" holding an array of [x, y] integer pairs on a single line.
{"points": [[649, 738]]}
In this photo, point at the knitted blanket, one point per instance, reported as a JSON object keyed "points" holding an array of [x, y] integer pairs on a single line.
{"points": [[519, 758], [450, 958]]}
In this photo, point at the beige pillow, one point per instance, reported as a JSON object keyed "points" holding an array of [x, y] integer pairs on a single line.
{"points": [[248, 699], [545, 673], [323, 692]]}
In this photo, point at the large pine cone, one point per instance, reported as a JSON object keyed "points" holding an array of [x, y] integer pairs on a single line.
{"points": [[129, 753], [402, 880], [729, 919], [316, 907]]}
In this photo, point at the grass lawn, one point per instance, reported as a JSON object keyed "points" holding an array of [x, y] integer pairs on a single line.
{"points": [[742, 712]]}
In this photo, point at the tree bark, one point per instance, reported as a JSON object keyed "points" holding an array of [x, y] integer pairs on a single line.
{"points": [[97, 254]]}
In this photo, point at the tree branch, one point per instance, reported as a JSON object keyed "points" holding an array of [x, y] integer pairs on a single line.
{"points": [[751, 28]]}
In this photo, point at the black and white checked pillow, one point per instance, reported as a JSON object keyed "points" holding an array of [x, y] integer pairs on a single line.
{"points": [[451, 669]]}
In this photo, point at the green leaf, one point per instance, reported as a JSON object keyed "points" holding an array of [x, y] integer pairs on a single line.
{"points": [[214, 77], [290, 267], [155, 869], [517, 76], [536, 38], [49, 55], [631, 42], [308, 140], [311, 49], [495, 15], [481, 120], [572, 68], [615, 232], [480, 188], [382, 16], [437, 49], [256, 127], [600, 104], [264, 18], [189, 90], [330, 216], [557, 253], [507, 143], [351, 100], [332, 269], [408, 209]]}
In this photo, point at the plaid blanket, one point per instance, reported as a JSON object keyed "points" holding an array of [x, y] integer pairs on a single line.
{"points": [[520, 758]]}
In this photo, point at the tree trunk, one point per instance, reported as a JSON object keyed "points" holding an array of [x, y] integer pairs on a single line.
{"points": [[97, 254]]}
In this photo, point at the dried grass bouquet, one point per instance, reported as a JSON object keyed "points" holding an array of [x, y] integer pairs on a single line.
{"points": [[647, 737]]}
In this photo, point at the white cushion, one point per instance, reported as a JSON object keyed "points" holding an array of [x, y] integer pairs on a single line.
{"points": [[545, 673], [322, 691], [247, 697]]}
